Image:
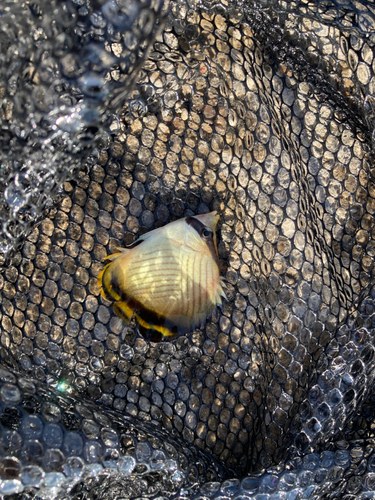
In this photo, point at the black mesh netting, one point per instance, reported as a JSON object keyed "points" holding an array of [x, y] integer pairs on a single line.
{"points": [[120, 116], [65, 68]]}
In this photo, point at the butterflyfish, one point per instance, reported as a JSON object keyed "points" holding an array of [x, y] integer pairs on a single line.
{"points": [[168, 279]]}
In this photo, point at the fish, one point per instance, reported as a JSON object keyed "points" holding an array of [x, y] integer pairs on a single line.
{"points": [[168, 280]]}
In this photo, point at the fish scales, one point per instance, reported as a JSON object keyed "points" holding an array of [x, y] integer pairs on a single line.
{"points": [[193, 289], [186, 284]]}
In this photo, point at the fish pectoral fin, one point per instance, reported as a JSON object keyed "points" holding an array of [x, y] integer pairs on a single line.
{"points": [[222, 291]]}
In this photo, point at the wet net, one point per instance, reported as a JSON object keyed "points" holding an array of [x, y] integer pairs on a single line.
{"points": [[118, 117], [66, 67]]}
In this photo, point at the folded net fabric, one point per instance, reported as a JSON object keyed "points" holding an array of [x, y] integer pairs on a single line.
{"points": [[121, 116]]}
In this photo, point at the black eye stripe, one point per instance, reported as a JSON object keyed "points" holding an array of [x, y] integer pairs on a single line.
{"points": [[200, 227], [196, 224]]}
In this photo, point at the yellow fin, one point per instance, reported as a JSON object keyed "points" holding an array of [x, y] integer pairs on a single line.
{"points": [[105, 280], [116, 255], [100, 278], [162, 329], [123, 311]]}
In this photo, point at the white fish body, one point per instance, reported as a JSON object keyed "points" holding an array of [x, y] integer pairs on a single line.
{"points": [[169, 279]]}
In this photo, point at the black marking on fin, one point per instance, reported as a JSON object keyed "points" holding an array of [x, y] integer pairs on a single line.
{"points": [[106, 295], [209, 240], [150, 334], [105, 290], [150, 317], [155, 336], [120, 313], [115, 285]]}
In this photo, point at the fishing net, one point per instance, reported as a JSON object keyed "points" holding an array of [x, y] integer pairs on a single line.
{"points": [[65, 68], [119, 117]]}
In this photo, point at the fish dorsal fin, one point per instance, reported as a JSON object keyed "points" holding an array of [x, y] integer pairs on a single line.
{"points": [[132, 245], [172, 231], [141, 239], [114, 256]]}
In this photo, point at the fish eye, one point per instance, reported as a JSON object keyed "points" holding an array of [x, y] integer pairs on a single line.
{"points": [[206, 233]]}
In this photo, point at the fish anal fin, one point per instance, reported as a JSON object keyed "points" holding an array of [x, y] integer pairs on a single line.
{"points": [[167, 331], [123, 311], [150, 334]]}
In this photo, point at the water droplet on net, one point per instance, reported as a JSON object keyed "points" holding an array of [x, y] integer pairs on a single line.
{"points": [[32, 476], [127, 465], [121, 14], [158, 460], [143, 452], [73, 467], [126, 352], [93, 86], [93, 452], [178, 477], [53, 435], [94, 470], [78, 119], [14, 197], [11, 486], [171, 465], [54, 479], [97, 57]]}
